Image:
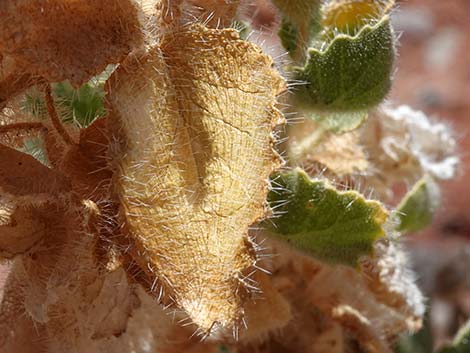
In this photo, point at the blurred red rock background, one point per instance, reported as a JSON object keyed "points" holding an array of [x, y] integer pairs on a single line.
{"points": [[434, 76]]}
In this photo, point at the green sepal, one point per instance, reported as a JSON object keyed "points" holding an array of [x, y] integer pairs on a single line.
{"points": [[339, 122], [415, 212], [312, 216], [350, 74]]}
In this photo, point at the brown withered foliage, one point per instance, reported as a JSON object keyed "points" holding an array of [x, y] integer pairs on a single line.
{"points": [[136, 233]]}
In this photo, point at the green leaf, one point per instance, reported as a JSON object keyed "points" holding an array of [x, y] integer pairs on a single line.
{"points": [[331, 225], [417, 208], [461, 342], [351, 74]]}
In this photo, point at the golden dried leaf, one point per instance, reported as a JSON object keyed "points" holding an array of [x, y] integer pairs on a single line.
{"points": [[195, 127], [62, 40]]}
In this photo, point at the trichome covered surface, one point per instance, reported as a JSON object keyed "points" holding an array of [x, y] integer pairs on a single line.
{"points": [[140, 176]]}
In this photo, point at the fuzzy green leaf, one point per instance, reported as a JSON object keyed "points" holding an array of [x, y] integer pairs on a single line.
{"points": [[351, 74], [417, 208], [331, 225]]}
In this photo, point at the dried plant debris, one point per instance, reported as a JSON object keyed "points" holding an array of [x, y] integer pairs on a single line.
{"points": [[340, 309], [62, 40], [403, 144], [194, 156], [12, 79], [323, 152]]}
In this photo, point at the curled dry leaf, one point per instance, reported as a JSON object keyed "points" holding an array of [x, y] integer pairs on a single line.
{"points": [[62, 40], [18, 332], [194, 125]]}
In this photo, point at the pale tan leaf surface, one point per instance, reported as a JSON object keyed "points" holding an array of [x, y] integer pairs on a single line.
{"points": [[62, 40], [195, 127]]}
